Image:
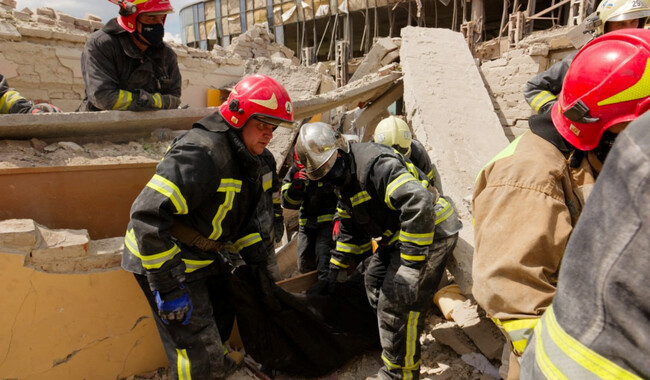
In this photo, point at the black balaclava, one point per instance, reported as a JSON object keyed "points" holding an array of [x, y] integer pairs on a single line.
{"points": [[339, 174], [605, 145], [153, 33]]}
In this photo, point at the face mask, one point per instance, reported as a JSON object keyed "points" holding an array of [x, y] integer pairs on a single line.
{"points": [[605, 145], [153, 33]]}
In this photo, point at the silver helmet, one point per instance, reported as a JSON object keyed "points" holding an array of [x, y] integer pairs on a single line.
{"points": [[317, 148]]}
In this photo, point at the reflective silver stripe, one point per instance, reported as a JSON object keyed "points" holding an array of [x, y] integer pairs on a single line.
{"points": [[342, 213], [123, 101], [411, 339], [8, 100], [149, 261], [445, 212], [183, 365], [347, 248], [267, 181], [561, 356], [542, 98], [231, 187], [302, 221], [171, 191], [338, 263], [519, 330], [325, 218], [360, 198], [192, 265], [394, 185], [246, 241], [417, 239]]}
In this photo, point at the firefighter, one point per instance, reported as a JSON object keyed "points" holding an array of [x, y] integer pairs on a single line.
{"points": [[382, 195], [205, 193], [12, 102], [317, 204], [527, 200], [541, 91], [126, 65], [270, 211], [394, 132], [612, 287]]}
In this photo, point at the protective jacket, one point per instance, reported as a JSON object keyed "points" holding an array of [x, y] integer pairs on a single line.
{"points": [[270, 208], [116, 72], [11, 101], [316, 201], [541, 91], [420, 158], [526, 202], [387, 198], [597, 327], [207, 181]]}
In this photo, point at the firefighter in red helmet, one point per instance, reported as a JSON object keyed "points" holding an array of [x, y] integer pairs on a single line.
{"points": [[126, 65], [528, 199], [203, 197]]}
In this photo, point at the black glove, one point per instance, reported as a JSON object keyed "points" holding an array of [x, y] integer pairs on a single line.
{"points": [[334, 277], [406, 284], [45, 108], [175, 305], [278, 228], [157, 100], [169, 102]]}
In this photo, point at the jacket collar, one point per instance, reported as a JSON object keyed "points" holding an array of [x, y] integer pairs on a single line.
{"points": [[128, 46], [542, 126]]}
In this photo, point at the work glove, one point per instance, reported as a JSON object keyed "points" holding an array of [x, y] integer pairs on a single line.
{"points": [[175, 305], [406, 284], [157, 100], [45, 108], [278, 228], [334, 277], [168, 102], [299, 179]]}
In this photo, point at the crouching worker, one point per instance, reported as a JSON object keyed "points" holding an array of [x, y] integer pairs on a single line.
{"points": [[12, 102], [204, 193], [382, 195]]}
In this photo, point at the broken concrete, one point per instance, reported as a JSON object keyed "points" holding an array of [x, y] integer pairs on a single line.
{"points": [[451, 113], [383, 52]]}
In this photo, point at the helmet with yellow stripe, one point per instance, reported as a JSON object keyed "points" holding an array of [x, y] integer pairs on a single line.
{"points": [[613, 12], [130, 10], [608, 83]]}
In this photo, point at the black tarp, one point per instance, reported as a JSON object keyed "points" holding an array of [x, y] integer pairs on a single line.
{"points": [[302, 334]]}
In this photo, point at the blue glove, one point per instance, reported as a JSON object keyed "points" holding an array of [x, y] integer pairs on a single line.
{"points": [[175, 305]]}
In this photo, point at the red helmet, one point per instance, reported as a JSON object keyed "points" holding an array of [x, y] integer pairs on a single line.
{"points": [[260, 97], [608, 83], [129, 11]]}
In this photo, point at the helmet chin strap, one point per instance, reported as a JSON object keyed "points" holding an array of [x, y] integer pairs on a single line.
{"points": [[140, 38]]}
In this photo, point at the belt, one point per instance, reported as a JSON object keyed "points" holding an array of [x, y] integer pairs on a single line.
{"points": [[190, 236]]}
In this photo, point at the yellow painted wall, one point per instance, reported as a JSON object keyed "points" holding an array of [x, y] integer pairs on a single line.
{"points": [[74, 326]]}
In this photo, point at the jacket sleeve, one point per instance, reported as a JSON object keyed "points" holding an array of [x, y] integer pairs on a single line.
{"points": [[101, 79], [11, 101], [174, 75], [352, 244], [541, 91], [291, 197], [402, 192], [182, 180]]}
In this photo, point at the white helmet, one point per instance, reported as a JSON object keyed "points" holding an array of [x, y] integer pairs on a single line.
{"points": [[317, 147], [394, 132]]}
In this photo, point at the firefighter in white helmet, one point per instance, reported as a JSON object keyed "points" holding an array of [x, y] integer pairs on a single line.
{"points": [[541, 91], [394, 132]]}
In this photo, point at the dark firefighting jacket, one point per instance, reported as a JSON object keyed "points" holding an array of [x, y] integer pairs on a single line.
{"points": [[387, 197], [316, 201], [270, 207], [541, 90], [115, 70], [421, 160], [11, 101], [207, 181]]}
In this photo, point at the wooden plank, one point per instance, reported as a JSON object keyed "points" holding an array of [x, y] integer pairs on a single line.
{"points": [[299, 283], [287, 257]]}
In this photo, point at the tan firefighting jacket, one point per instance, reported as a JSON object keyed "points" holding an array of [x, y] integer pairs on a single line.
{"points": [[526, 202]]}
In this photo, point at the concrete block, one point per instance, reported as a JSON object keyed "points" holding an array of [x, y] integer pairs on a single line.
{"points": [[500, 62], [82, 23], [96, 25], [373, 60], [9, 3], [61, 244], [286, 51], [482, 331], [9, 32], [28, 11], [18, 234], [537, 49], [93, 17], [45, 20], [46, 12], [451, 335], [65, 18], [390, 57], [22, 16]]}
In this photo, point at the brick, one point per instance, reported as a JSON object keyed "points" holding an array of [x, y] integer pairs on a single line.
{"points": [[22, 16], [61, 244], [9, 32], [46, 12], [45, 20], [18, 234]]}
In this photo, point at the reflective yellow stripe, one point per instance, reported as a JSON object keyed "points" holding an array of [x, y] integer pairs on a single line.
{"points": [[338, 263], [542, 98], [342, 213], [519, 331], [394, 185], [231, 187], [445, 212], [123, 100], [413, 257], [8, 100], [302, 221], [192, 265], [246, 241], [411, 339], [639, 90], [157, 100], [183, 365], [267, 181], [347, 248], [561, 355], [285, 195], [507, 152], [430, 174], [417, 239], [325, 218], [171, 191], [360, 198], [149, 261]]}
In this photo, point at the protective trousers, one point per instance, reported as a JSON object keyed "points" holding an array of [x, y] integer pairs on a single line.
{"points": [[314, 245], [400, 324], [196, 350]]}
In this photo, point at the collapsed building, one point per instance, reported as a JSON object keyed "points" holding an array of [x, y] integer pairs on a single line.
{"points": [[72, 313]]}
